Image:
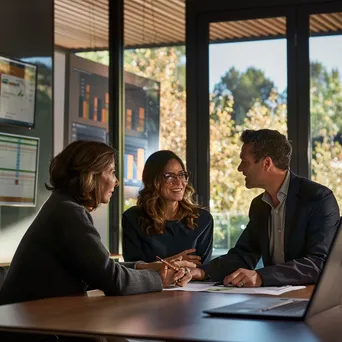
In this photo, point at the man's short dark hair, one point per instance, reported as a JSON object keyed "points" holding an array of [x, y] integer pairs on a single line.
{"points": [[269, 143]]}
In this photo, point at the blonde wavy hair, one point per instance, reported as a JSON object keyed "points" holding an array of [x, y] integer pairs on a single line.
{"points": [[77, 170], [153, 220]]}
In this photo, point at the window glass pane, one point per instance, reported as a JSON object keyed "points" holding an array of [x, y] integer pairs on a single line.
{"points": [[248, 90], [154, 64], [326, 100], [155, 116], [154, 113], [87, 84]]}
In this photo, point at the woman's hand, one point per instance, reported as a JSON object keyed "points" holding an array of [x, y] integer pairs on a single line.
{"points": [[197, 274], [158, 265], [185, 256], [171, 277]]}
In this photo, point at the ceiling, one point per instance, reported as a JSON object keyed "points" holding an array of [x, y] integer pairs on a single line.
{"points": [[83, 24]]}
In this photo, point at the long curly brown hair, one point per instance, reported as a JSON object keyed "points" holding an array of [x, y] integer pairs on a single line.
{"points": [[152, 204]]}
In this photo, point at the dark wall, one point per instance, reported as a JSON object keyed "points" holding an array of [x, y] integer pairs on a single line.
{"points": [[26, 29]]}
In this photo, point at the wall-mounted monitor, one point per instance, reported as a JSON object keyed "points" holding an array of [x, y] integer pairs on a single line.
{"points": [[18, 87], [88, 132], [18, 170], [88, 113]]}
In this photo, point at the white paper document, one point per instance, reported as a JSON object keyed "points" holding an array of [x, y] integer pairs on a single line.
{"points": [[192, 287], [273, 290], [209, 287]]}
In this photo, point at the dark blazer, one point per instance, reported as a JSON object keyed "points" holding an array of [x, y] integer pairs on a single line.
{"points": [[312, 218], [177, 237], [61, 254]]}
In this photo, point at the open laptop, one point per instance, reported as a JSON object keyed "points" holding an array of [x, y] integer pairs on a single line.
{"points": [[327, 294]]}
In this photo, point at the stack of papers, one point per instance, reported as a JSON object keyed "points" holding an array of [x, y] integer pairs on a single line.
{"points": [[272, 290], [192, 287], [209, 287]]}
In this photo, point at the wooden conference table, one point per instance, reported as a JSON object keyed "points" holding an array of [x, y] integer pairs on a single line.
{"points": [[166, 315]]}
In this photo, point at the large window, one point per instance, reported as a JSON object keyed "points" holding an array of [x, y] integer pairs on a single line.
{"points": [[155, 115], [248, 90], [326, 101]]}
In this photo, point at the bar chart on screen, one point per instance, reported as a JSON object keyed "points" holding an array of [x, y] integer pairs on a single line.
{"points": [[93, 98]]}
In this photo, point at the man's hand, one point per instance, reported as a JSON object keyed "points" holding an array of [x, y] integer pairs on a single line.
{"points": [[197, 274], [185, 256], [243, 277]]}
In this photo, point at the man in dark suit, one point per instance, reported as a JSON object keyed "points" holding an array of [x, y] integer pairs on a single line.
{"points": [[291, 225]]}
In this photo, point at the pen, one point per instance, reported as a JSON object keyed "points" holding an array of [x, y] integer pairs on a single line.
{"points": [[167, 263]]}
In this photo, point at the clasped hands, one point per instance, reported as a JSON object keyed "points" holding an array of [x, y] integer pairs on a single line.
{"points": [[187, 265], [182, 261], [186, 262]]}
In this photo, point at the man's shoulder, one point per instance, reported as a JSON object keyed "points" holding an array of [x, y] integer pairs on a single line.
{"points": [[308, 189], [258, 200]]}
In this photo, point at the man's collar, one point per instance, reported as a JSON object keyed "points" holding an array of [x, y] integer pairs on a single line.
{"points": [[284, 188]]}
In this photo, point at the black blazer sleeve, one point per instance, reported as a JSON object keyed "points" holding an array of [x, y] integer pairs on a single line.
{"points": [[245, 254], [131, 243], [323, 221]]}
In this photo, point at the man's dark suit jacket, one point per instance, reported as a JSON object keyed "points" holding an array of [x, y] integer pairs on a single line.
{"points": [[312, 218]]}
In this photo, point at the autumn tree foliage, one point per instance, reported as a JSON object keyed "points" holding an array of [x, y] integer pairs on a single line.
{"points": [[242, 100], [165, 66]]}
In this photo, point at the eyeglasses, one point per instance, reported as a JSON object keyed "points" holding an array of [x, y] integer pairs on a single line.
{"points": [[172, 177]]}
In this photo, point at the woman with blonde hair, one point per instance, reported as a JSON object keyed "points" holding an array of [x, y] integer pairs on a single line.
{"points": [[166, 220]]}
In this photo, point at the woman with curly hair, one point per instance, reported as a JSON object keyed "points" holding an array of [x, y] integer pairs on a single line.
{"points": [[166, 221]]}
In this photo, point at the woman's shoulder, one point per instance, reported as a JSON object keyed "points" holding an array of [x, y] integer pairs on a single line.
{"points": [[131, 218], [204, 213], [65, 201], [62, 211], [133, 212], [204, 216], [63, 205]]}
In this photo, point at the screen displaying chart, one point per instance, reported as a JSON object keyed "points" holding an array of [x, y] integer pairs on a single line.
{"points": [[18, 169], [17, 92], [93, 98], [134, 161], [87, 132], [88, 102]]}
